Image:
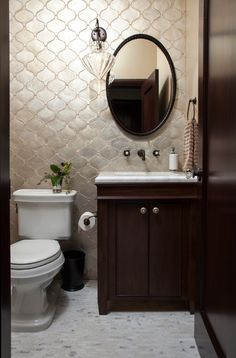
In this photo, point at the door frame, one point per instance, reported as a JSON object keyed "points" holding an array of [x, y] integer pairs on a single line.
{"points": [[203, 335], [5, 327], [207, 342]]}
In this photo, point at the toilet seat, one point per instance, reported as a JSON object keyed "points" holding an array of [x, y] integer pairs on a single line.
{"points": [[30, 254]]}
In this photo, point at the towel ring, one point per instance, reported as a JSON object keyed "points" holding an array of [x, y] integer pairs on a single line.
{"points": [[194, 102]]}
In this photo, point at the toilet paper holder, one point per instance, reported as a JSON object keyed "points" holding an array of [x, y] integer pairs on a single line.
{"points": [[87, 220]]}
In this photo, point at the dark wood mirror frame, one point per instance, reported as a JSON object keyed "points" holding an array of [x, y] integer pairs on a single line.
{"points": [[173, 90]]}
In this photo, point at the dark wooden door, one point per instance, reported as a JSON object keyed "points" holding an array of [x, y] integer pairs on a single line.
{"points": [[150, 102], [166, 245], [4, 183], [215, 328], [131, 249]]}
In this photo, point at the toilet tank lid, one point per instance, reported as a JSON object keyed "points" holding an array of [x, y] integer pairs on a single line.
{"points": [[43, 195], [31, 251]]}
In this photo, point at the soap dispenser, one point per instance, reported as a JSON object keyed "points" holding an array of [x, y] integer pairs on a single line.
{"points": [[173, 160]]}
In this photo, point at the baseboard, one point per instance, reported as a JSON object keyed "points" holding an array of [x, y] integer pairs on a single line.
{"points": [[207, 343]]}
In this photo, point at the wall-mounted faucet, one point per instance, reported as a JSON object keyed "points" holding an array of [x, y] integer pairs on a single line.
{"points": [[141, 153]]}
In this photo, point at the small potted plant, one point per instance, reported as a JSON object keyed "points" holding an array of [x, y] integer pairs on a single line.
{"points": [[59, 173]]}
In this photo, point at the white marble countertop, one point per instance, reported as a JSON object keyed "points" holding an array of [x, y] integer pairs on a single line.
{"points": [[142, 177]]}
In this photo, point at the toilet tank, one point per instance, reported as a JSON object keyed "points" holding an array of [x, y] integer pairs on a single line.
{"points": [[43, 214]]}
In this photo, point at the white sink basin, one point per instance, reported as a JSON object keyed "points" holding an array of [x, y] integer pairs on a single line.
{"points": [[142, 177]]}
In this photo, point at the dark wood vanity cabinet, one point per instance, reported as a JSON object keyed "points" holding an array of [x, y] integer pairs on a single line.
{"points": [[146, 247]]}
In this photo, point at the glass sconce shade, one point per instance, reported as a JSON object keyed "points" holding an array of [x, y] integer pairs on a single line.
{"points": [[98, 62]]}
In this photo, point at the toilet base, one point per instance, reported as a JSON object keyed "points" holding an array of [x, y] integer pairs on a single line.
{"points": [[39, 321], [34, 325]]}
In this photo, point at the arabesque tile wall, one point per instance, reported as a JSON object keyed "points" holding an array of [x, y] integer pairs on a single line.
{"points": [[59, 112]]}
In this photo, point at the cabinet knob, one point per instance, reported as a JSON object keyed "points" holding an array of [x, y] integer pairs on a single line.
{"points": [[143, 210], [155, 210]]}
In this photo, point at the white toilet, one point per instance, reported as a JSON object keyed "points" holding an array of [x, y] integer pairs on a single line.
{"points": [[43, 218]]}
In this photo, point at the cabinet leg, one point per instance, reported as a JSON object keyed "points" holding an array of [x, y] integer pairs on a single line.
{"points": [[103, 308], [191, 307]]}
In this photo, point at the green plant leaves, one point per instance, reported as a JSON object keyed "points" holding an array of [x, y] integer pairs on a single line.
{"points": [[54, 168], [56, 180], [59, 172], [66, 168]]}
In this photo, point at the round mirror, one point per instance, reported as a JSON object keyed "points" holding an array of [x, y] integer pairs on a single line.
{"points": [[141, 86]]}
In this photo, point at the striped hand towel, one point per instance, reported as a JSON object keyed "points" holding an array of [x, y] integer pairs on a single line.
{"points": [[190, 145]]}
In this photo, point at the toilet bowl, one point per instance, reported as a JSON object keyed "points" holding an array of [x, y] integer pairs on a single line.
{"points": [[34, 264], [36, 261]]}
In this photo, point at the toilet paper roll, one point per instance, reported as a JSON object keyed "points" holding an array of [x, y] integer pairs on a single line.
{"points": [[92, 221]]}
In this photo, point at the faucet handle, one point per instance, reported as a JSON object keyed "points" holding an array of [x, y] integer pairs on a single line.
{"points": [[126, 152], [156, 152]]}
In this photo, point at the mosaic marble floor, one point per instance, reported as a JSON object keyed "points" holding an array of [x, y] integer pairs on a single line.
{"points": [[78, 331]]}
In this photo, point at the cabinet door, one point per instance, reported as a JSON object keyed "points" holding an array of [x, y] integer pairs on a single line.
{"points": [[131, 249], [165, 262]]}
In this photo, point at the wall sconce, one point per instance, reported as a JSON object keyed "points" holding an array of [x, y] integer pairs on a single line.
{"points": [[98, 62]]}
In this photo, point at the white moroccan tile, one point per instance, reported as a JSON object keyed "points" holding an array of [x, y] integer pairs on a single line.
{"points": [[55, 5], [56, 46], [45, 15], [45, 36], [46, 115], [67, 110], [151, 14], [56, 25], [162, 6], [25, 96], [56, 85], [173, 14], [24, 56], [110, 14], [67, 35], [67, 75], [24, 36], [24, 16], [141, 24], [66, 15], [45, 95], [35, 5], [77, 6], [66, 115], [141, 5], [88, 15], [99, 5], [46, 75], [56, 66]]}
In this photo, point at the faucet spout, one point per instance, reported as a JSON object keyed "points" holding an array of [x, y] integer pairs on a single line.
{"points": [[141, 153]]}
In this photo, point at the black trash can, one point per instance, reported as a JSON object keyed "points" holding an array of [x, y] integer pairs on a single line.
{"points": [[72, 270]]}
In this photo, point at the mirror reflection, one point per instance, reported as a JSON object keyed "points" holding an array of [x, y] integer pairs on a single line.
{"points": [[141, 85]]}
